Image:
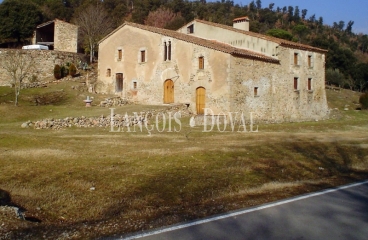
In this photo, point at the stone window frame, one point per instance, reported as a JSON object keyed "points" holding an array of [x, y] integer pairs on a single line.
{"points": [[296, 59], [201, 62], [310, 60], [310, 84], [167, 44], [108, 72], [141, 51], [119, 54], [296, 84], [255, 92], [134, 85]]}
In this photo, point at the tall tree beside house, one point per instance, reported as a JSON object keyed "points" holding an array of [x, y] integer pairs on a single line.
{"points": [[94, 24], [18, 19], [18, 66]]}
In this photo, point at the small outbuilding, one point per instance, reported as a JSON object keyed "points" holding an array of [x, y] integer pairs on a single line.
{"points": [[57, 35]]}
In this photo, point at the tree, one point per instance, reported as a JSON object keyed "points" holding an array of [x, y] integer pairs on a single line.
{"points": [[280, 33], [259, 4], [304, 13], [18, 66], [18, 19], [296, 14], [270, 6], [300, 30], [349, 27], [162, 18], [334, 77], [94, 24]]}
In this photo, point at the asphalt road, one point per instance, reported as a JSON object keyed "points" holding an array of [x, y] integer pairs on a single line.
{"points": [[340, 213]]}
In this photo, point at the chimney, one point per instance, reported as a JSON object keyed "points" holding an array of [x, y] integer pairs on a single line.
{"points": [[241, 23]]}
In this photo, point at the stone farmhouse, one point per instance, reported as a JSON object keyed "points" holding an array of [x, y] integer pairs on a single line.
{"points": [[209, 65]]}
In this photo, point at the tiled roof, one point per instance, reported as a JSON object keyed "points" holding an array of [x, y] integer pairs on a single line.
{"points": [[280, 41], [240, 18], [201, 42]]}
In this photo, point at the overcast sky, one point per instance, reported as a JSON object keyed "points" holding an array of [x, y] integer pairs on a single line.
{"points": [[330, 10]]}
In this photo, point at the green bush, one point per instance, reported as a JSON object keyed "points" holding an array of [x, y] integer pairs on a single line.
{"points": [[72, 70], [363, 100], [57, 72], [64, 71]]}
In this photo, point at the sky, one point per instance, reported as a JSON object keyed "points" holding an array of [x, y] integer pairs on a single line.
{"points": [[330, 10]]}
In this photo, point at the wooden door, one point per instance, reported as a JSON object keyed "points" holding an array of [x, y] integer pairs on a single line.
{"points": [[119, 82], [200, 100], [169, 91]]}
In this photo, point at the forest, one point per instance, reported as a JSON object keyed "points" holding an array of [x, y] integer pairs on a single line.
{"points": [[347, 57]]}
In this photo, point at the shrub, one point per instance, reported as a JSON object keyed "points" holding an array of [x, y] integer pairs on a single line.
{"points": [[72, 70], [363, 100], [57, 72], [64, 71]]}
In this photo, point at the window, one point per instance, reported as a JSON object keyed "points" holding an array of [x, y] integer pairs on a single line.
{"points": [[167, 51], [143, 56], [296, 83], [201, 62], [310, 61], [190, 29], [119, 82], [120, 54], [309, 84], [296, 59], [108, 72], [255, 91], [134, 85]]}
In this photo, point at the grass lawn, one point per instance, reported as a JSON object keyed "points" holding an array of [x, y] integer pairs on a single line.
{"points": [[84, 183]]}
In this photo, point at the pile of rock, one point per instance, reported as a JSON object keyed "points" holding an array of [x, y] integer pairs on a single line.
{"points": [[87, 122], [119, 120], [33, 85], [113, 102]]}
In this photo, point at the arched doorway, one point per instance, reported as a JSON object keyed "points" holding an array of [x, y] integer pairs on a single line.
{"points": [[200, 100], [169, 91]]}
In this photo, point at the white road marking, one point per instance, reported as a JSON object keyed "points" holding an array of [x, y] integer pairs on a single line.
{"points": [[233, 214]]}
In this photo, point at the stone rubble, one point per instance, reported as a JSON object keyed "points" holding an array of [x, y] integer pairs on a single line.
{"points": [[115, 101], [120, 120]]}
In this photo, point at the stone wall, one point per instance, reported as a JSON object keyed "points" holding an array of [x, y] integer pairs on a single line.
{"points": [[44, 60], [65, 37], [276, 99]]}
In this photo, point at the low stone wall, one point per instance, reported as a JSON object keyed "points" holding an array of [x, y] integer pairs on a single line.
{"points": [[44, 60]]}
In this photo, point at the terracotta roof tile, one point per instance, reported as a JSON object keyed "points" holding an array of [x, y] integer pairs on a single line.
{"points": [[280, 41], [240, 18]]}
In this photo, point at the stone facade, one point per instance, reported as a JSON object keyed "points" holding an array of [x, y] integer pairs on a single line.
{"points": [[275, 79], [44, 60], [66, 36]]}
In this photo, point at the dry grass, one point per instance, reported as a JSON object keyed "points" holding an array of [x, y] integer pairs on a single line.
{"points": [[88, 183]]}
